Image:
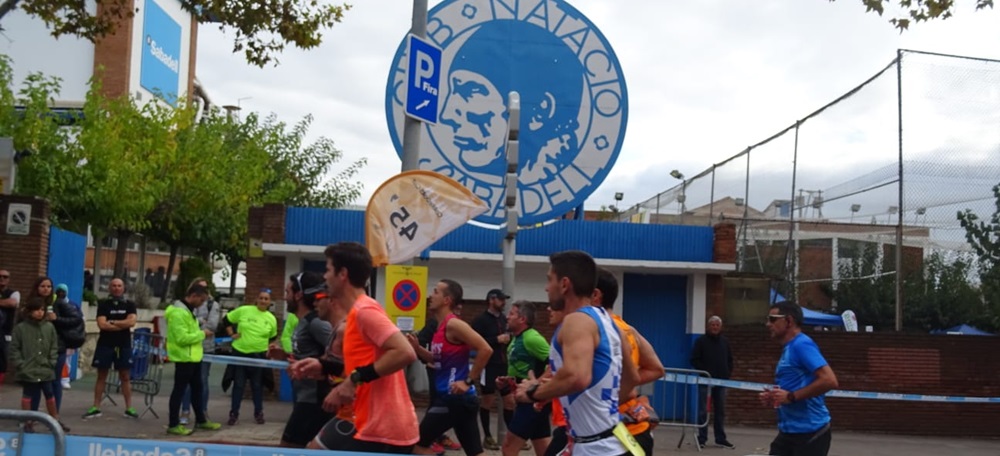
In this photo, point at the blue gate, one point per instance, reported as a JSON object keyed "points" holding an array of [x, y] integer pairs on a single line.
{"points": [[67, 251], [656, 305]]}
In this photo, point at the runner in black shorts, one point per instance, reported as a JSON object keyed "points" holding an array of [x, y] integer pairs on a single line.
{"points": [[455, 401], [115, 317], [492, 326], [528, 353]]}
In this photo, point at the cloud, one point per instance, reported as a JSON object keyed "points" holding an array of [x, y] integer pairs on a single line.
{"points": [[705, 80]]}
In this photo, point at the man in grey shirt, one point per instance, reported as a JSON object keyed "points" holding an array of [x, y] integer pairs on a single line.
{"points": [[208, 319], [309, 340]]}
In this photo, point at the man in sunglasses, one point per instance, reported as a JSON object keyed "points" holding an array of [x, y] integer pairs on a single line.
{"points": [[802, 378], [9, 299]]}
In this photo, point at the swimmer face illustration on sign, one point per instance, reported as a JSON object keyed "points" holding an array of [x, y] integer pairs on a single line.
{"points": [[574, 104]]}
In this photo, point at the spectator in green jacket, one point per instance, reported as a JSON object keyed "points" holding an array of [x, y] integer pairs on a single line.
{"points": [[184, 348], [34, 349]]}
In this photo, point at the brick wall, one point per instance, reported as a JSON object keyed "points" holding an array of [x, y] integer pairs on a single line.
{"points": [[113, 55], [267, 224], [26, 257], [723, 251], [884, 362]]}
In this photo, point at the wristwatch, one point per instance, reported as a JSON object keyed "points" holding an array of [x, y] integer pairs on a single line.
{"points": [[791, 397], [469, 381], [531, 392], [355, 377]]}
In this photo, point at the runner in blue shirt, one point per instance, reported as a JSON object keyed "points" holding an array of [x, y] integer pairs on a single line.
{"points": [[802, 378]]}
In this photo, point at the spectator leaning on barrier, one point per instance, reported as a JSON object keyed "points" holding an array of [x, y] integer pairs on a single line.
{"points": [[255, 326], [115, 317], [184, 348], [711, 353], [802, 378], [208, 320]]}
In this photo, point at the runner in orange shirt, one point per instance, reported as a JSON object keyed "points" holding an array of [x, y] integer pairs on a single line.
{"points": [[634, 412], [375, 353]]}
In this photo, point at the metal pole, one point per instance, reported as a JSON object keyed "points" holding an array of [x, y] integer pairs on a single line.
{"points": [[746, 213], [899, 222], [510, 203], [411, 126], [711, 199], [26, 415], [791, 252]]}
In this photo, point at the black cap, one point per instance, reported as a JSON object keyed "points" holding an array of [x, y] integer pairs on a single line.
{"points": [[496, 293]]}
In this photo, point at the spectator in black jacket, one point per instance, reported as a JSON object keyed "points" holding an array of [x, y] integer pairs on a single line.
{"points": [[711, 353]]}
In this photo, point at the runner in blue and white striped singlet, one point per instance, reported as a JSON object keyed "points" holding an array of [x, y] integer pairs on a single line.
{"points": [[595, 410]]}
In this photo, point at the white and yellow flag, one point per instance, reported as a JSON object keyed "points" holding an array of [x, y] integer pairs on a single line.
{"points": [[414, 209]]}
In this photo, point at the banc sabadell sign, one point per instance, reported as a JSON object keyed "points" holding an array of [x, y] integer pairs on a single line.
{"points": [[574, 105], [159, 72]]}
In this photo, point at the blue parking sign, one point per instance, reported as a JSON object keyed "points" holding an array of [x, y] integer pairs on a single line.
{"points": [[423, 78]]}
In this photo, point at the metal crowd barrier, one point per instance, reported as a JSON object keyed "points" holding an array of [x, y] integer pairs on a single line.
{"points": [[26, 415], [679, 401], [147, 369]]}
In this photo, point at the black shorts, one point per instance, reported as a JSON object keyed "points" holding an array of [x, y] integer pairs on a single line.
{"points": [[492, 372], [336, 434], [451, 412], [305, 423], [3, 354], [806, 444], [645, 440], [105, 356], [559, 442], [530, 424]]}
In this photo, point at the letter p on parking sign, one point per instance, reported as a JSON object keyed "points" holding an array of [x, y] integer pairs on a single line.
{"points": [[423, 78]]}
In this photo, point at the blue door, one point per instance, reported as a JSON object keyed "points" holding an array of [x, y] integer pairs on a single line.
{"points": [[656, 305]]}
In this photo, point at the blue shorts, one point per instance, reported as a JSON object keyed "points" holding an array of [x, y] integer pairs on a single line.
{"points": [[106, 356], [530, 424]]}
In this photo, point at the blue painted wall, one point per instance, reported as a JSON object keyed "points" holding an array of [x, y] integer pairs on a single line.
{"points": [[627, 241], [656, 305], [66, 257]]}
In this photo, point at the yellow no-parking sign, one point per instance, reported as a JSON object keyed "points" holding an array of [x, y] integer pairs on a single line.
{"points": [[406, 296]]}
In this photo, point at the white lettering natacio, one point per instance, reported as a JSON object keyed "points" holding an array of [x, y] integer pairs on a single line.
{"points": [[97, 449], [163, 57]]}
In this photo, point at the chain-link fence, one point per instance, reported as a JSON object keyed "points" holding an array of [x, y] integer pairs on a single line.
{"points": [[897, 157]]}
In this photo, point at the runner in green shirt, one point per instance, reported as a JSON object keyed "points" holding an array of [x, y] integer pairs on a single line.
{"points": [[255, 327], [528, 352]]}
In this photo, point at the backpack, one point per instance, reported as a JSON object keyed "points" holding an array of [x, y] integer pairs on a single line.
{"points": [[74, 337]]}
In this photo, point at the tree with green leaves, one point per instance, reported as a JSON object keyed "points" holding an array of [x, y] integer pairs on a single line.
{"points": [[984, 237], [296, 174], [918, 10], [262, 28]]}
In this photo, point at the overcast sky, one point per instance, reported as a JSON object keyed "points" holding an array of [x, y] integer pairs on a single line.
{"points": [[705, 79]]}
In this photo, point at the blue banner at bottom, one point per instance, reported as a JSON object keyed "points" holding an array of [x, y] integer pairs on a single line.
{"points": [[36, 444]]}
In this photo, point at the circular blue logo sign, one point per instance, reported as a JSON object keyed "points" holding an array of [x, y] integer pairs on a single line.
{"points": [[574, 104]]}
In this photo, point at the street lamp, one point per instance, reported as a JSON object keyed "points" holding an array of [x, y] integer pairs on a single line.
{"points": [[619, 196], [683, 196], [854, 210]]}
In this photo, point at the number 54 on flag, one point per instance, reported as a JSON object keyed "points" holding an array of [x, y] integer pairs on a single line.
{"points": [[412, 210]]}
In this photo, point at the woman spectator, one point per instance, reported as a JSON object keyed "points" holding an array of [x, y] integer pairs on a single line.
{"points": [[255, 327]]}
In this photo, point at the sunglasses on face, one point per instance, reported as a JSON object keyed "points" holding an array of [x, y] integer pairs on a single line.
{"points": [[775, 318], [4, 276], [265, 290]]}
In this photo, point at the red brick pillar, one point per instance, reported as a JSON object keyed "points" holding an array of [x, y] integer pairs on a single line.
{"points": [[25, 256], [267, 225], [723, 251]]}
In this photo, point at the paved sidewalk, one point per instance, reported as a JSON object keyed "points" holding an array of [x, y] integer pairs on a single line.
{"points": [[747, 440]]}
